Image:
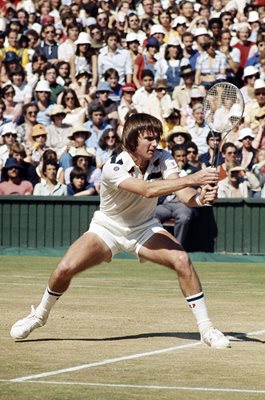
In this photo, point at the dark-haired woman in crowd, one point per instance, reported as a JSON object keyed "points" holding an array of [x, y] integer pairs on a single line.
{"points": [[72, 108], [108, 144]]}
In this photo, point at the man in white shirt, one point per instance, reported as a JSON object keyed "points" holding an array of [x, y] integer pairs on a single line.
{"points": [[131, 183], [112, 56], [68, 48]]}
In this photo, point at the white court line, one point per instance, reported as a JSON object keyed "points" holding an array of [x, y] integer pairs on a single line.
{"points": [[152, 387], [123, 358], [104, 362]]}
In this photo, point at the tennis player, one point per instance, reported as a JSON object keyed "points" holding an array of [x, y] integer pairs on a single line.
{"points": [[131, 183]]}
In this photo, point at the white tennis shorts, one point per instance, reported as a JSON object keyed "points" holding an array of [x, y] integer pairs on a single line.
{"points": [[121, 238]]}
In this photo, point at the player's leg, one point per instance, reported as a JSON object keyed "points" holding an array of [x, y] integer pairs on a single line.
{"points": [[162, 248], [89, 250]]}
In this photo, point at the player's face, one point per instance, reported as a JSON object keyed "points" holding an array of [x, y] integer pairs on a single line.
{"points": [[147, 144]]}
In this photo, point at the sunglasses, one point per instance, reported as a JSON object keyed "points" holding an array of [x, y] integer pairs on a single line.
{"points": [[32, 112], [110, 137], [191, 152], [11, 134], [103, 91], [50, 32], [260, 93], [9, 93], [231, 152], [41, 136], [69, 98]]}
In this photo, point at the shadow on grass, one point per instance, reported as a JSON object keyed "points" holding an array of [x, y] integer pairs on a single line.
{"points": [[234, 337]]}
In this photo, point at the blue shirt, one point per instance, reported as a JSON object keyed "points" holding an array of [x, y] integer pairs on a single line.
{"points": [[92, 141]]}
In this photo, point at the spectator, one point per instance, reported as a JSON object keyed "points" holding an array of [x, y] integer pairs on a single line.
{"points": [[182, 94], [126, 104], [58, 131], [9, 137], [250, 74], [34, 70], [255, 111], [84, 160], [109, 106], [96, 125], [50, 75], [160, 100], [254, 60], [247, 152], [199, 130], [10, 63], [210, 66], [177, 136], [108, 145], [232, 55], [39, 135], [111, 56], [24, 131], [13, 45], [196, 97], [134, 27], [246, 48], [79, 135], [229, 153], [84, 59], [67, 49], [12, 182], [133, 46], [78, 185], [180, 154], [28, 171], [51, 187], [72, 107], [146, 61], [43, 100], [23, 91], [50, 155], [3, 120], [169, 67], [258, 169], [13, 109], [63, 77], [141, 98], [211, 156], [189, 53], [193, 154], [97, 41], [111, 76], [48, 45], [238, 183]]}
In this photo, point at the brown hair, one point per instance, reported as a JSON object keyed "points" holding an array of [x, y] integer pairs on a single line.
{"points": [[137, 124]]}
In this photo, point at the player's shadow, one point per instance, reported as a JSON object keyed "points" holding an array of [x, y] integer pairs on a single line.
{"points": [[233, 336]]}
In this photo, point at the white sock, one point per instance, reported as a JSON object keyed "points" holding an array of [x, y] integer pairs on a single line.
{"points": [[198, 307], [47, 302]]}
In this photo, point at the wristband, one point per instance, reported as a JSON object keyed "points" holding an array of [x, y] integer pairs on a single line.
{"points": [[198, 201]]}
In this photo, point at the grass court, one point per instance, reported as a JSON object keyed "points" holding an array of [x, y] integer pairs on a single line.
{"points": [[124, 332]]}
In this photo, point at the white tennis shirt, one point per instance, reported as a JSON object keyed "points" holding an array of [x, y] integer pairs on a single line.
{"points": [[125, 208]]}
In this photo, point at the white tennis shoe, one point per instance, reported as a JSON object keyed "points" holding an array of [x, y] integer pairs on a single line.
{"points": [[23, 327], [215, 339]]}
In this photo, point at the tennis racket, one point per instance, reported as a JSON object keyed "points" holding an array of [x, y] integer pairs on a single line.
{"points": [[223, 108]]}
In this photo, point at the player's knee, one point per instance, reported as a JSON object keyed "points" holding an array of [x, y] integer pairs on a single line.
{"points": [[65, 270], [182, 264]]}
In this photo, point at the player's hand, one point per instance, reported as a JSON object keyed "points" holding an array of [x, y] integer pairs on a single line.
{"points": [[208, 194], [206, 176]]}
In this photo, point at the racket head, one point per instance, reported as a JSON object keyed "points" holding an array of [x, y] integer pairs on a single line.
{"points": [[223, 107]]}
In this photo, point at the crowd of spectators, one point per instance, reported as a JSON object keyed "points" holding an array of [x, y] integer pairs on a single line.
{"points": [[71, 72]]}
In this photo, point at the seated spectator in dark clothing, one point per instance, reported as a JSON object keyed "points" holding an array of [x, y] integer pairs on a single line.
{"points": [[78, 185], [48, 46], [28, 171], [179, 153], [110, 107], [12, 181], [170, 207], [193, 154], [211, 158], [111, 76]]}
